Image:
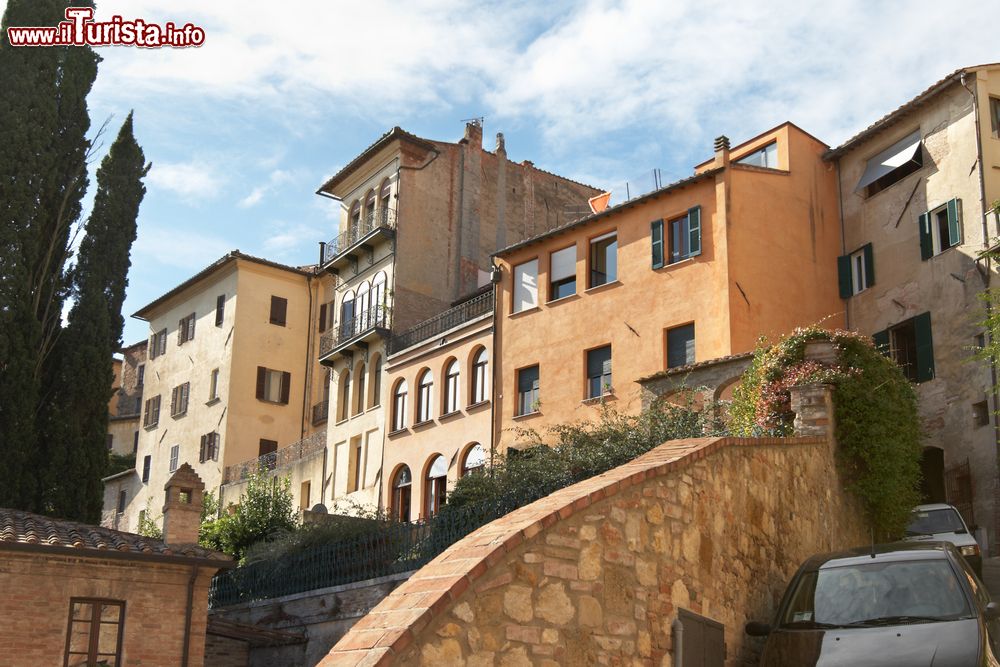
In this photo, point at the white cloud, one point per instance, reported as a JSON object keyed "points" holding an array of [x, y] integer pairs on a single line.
{"points": [[193, 180], [177, 248], [275, 178], [292, 241]]}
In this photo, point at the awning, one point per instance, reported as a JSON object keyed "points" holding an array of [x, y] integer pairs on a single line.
{"points": [[900, 153]]}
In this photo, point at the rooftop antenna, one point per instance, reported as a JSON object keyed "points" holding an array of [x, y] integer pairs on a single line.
{"points": [[475, 120]]}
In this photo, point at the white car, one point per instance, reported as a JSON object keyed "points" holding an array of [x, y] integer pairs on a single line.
{"points": [[939, 521]]}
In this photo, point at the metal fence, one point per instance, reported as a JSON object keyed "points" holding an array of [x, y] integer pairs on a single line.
{"points": [[391, 548], [382, 219], [469, 310], [282, 457], [375, 316]]}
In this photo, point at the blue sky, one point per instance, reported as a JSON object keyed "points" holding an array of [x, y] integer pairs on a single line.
{"points": [[243, 130]]}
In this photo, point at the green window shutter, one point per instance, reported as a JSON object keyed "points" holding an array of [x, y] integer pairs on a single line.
{"points": [[881, 339], [656, 234], [694, 231], [925, 347], [844, 276], [869, 264], [954, 222], [926, 241]]}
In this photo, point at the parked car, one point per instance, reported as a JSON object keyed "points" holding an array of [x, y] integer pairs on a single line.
{"points": [[943, 522], [912, 604]]}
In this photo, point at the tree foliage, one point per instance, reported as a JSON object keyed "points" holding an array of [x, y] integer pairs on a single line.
{"points": [[265, 511], [875, 411]]}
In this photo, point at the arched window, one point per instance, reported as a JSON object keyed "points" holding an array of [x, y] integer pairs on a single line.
{"points": [[362, 307], [344, 396], [376, 391], [399, 504], [425, 383], [369, 209], [435, 486], [474, 459], [347, 314], [384, 193], [354, 218], [480, 378], [450, 398], [359, 389], [399, 406], [378, 309]]}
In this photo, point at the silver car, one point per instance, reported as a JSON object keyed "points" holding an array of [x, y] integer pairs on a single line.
{"points": [[940, 522]]}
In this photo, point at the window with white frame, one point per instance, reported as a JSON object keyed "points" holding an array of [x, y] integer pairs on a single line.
{"points": [[940, 229], [175, 452], [425, 384], [399, 406], [525, 286], [527, 390], [480, 380], [763, 157], [603, 259], [856, 271], [562, 273], [451, 388], [599, 372]]}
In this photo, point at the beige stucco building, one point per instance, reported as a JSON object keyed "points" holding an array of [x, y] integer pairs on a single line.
{"points": [[916, 190], [419, 220], [231, 375]]}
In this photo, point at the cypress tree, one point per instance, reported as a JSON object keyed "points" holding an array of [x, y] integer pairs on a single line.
{"points": [[93, 333], [43, 152]]}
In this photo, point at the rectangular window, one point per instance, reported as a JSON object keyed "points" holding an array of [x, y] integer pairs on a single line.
{"points": [[680, 346], [279, 309], [122, 500], [146, 463], [911, 345], [355, 466], [856, 272], [158, 344], [269, 449], [151, 417], [603, 259], [764, 157], [175, 453], [94, 635], [980, 414], [110, 441], [185, 329], [209, 450], [220, 310], [322, 318], [995, 116], [980, 341], [525, 286], [527, 390], [179, 399], [140, 375], [940, 229], [305, 489], [599, 372], [685, 236], [656, 241], [891, 165], [562, 273], [135, 442], [213, 385], [273, 386], [377, 383]]}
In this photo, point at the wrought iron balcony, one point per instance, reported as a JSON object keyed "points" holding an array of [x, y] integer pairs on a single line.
{"points": [[278, 459], [320, 413], [355, 331], [460, 314], [358, 239]]}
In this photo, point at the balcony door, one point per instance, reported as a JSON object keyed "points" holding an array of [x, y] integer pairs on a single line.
{"points": [[363, 311]]}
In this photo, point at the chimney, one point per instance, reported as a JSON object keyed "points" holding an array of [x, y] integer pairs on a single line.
{"points": [[182, 509], [474, 132], [722, 151], [501, 147]]}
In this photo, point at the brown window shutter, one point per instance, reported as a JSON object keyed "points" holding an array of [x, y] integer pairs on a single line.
{"points": [[181, 331], [191, 321], [286, 385], [152, 346], [185, 394], [156, 410], [322, 318], [261, 375], [201, 452], [163, 341], [173, 400], [220, 310], [279, 309]]}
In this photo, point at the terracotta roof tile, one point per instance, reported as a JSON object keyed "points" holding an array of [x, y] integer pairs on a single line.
{"points": [[20, 527]]}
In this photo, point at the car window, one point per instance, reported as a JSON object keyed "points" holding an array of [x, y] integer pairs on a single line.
{"points": [[853, 594], [929, 522]]}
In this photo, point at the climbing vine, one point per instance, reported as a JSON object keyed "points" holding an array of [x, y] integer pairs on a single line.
{"points": [[875, 410]]}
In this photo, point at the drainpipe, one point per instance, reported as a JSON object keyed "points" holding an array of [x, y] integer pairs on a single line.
{"points": [[307, 374], [188, 613], [678, 650], [494, 394], [843, 239], [986, 280]]}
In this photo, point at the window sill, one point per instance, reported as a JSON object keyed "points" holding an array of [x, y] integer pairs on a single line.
{"points": [[476, 407], [563, 299], [151, 427], [597, 400], [527, 415], [278, 324], [680, 262], [398, 432], [601, 288], [448, 416], [526, 311], [338, 423], [419, 426], [941, 252], [213, 401], [264, 400], [179, 415]]}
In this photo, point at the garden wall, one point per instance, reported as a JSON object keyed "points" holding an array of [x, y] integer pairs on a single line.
{"points": [[596, 573]]}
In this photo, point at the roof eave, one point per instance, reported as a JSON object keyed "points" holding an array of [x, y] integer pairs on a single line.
{"points": [[113, 554], [380, 143]]}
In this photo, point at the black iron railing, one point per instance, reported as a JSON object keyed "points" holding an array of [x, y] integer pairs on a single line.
{"points": [[391, 548], [375, 316], [320, 413], [469, 310], [282, 457], [381, 219]]}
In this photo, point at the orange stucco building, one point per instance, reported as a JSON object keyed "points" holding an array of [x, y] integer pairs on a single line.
{"points": [[699, 269]]}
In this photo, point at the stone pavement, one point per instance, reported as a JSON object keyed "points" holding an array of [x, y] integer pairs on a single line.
{"points": [[991, 576]]}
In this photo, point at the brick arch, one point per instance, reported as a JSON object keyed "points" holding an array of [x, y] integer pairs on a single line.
{"points": [[651, 536]]}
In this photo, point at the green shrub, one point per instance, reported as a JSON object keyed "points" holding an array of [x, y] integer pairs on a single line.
{"points": [[875, 410], [264, 512], [119, 463]]}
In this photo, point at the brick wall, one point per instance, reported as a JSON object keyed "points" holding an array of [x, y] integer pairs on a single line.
{"points": [[226, 652], [34, 607], [596, 573]]}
